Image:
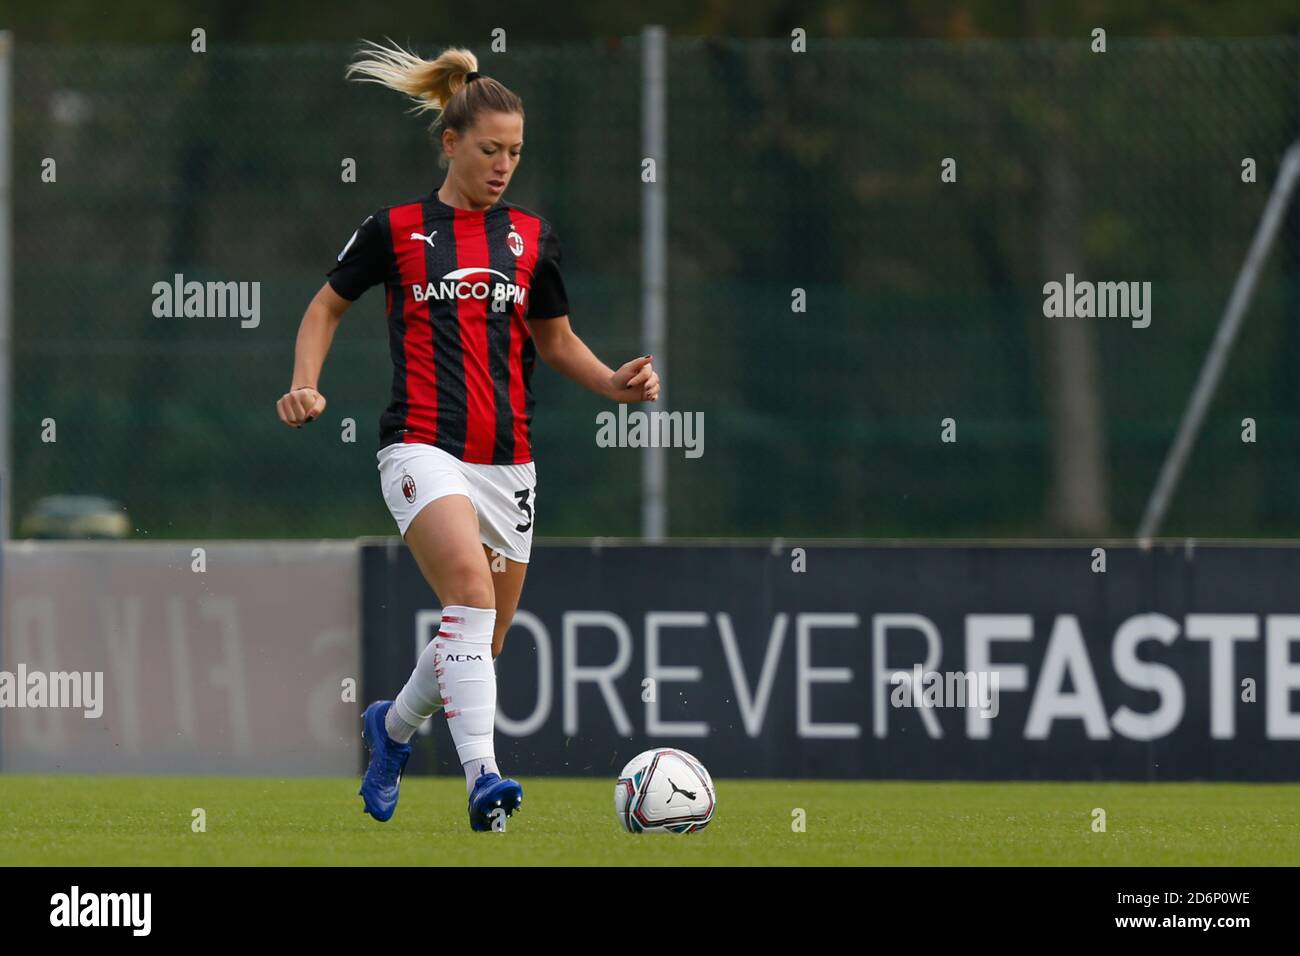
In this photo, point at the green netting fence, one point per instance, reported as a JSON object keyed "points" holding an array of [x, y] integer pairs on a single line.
{"points": [[818, 171]]}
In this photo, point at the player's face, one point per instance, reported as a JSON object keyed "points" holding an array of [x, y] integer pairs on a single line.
{"points": [[484, 159]]}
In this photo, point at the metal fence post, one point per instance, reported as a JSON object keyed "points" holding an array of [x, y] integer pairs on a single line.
{"points": [[654, 267], [1208, 382], [6, 281]]}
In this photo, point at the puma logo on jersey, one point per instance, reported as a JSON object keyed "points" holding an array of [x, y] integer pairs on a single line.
{"points": [[428, 238]]}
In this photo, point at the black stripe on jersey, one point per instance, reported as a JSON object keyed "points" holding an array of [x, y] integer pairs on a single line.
{"points": [[527, 357], [393, 420], [499, 326], [448, 358]]}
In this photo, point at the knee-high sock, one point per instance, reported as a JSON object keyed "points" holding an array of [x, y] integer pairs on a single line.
{"points": [[467, 679], [418, 699]]}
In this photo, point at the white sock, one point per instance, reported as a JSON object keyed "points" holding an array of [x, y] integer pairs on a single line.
{"points": [[475, 767], [467, 680], [397, 728], [418, 699]]}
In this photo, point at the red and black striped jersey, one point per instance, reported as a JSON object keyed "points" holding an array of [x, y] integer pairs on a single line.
{"points": [[459, 284]]}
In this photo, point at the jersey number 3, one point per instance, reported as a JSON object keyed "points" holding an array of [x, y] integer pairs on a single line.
{"points": [[526, 508]]}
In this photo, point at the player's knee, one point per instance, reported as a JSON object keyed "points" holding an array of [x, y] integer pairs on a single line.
{"points": [[469, 587]]}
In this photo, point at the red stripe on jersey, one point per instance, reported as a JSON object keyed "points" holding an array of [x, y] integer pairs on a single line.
{"points": [[529, 229], [417, 341], [480, 402]]}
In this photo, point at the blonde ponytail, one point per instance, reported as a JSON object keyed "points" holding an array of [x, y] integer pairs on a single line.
{"points": [[434, 85]]}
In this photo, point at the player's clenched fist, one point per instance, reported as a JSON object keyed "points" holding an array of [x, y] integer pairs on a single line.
{"points": [[300, 406], [637, 381]]}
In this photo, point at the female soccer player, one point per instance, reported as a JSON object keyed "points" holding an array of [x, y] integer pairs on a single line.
{"points": [[474, 294]]}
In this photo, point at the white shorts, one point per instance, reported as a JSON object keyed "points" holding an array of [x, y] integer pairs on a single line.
{"points": [[503, 495]]}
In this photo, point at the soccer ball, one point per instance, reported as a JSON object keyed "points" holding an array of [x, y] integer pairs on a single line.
{"points": [[664, 791]]}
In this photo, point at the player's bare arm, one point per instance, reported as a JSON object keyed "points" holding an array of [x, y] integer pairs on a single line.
{"points": [[562, 349], [303, 402]]}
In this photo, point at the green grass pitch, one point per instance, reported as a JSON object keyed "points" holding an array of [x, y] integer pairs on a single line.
{"points": [[88, 821]]}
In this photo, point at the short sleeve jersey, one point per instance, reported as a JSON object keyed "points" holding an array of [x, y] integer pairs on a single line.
{"points": [[458, 285]]}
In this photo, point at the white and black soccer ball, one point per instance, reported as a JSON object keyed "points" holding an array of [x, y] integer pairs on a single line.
{"points": [[664, 791]]}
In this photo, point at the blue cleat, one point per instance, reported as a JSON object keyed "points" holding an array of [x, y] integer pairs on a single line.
{"points": [[387, 761], [493, 799]]}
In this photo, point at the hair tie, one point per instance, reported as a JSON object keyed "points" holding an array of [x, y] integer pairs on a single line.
{"points": [[471, 76]]}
